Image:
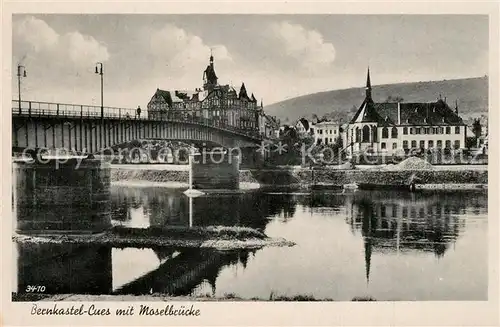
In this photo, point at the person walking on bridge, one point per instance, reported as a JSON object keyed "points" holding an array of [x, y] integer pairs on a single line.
{"points": [[138, 112]]}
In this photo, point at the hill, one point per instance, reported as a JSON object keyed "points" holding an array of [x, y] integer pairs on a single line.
{"points": [[340, 105]]}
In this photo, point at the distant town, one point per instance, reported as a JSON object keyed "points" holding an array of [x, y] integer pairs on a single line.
{"points": [[385, 129]]}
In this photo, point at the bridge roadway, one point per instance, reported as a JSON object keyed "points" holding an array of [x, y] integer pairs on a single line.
{"points": [[81, 128]]}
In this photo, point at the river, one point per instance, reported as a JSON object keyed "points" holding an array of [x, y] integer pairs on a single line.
{"points": [[382, 245]]}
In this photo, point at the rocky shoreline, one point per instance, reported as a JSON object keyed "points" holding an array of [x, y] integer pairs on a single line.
{"points": [[220, 238], [397, 176]]}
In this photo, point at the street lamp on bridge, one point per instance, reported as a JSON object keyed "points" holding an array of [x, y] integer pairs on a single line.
{"points": [[21, 72], [99, 71]]}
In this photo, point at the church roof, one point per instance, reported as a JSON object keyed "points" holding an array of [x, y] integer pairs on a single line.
{"points": [[367, 113], [411, 113], [414, 113]]}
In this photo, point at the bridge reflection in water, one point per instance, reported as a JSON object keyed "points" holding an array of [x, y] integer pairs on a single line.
{"points": [[388, 224], [142, 207], [91, 270]]}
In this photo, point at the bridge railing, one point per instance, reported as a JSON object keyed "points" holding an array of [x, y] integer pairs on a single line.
{"points": [[49, 109], [36, 108]]}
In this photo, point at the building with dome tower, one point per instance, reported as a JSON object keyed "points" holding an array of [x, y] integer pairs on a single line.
{"points": [[218, 104]]}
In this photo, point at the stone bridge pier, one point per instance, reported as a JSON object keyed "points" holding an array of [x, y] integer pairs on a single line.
{"points": [[62, 196], [215, 170]]}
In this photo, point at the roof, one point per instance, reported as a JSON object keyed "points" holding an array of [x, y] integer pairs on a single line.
{"points": [[165, 95], [304, 123], [328, 122], [210, 75], [415, 113], [177, 96], [367, 113], [243, 92]]}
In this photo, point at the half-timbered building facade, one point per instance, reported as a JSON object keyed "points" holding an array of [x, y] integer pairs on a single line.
{"points": [[219, 104]]}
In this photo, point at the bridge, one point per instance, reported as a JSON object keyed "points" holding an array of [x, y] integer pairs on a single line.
{"points": [[90, 129]]}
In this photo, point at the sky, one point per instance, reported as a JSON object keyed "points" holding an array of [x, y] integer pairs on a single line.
{"points": [[276, 56]]}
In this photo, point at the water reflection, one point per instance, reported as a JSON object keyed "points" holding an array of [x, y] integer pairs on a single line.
{"points": [[185, 271], [166, 207], [106, 270], [384, 244], [64, 269], [424, 222]]}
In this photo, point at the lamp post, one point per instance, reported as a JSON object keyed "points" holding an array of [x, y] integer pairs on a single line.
{"points": [[99, 71], [19, 75]]}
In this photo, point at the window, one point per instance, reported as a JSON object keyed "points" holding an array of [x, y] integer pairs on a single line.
{"points": [[394, 145], [394, 133], [417, 131], [331, 140], [358, 134], [383, 145], [405, 144], [404, 212], [422, 144], [366, 134], [374, 134], [412, 131], [439, 144], [448, 129], [413, 144], [385, 133], [457, 144], [330, 131], [448, 144], [457, 129], [405, 130], [426, 130], [431, 144], [441, 130]]}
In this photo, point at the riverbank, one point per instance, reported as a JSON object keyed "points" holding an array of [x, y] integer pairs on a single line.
{"points": [[156, 297], [215, 237], [438, 177]]}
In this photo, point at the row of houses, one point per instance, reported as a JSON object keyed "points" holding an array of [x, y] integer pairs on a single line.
{"points": [[389, 128], [379, 128]]}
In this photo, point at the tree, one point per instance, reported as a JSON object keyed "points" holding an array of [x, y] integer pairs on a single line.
{"points": [[476, 127], [391, 99], [470, 142]]}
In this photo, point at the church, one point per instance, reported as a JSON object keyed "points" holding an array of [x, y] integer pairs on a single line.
{"points": [[219, 104], [395, 128]]}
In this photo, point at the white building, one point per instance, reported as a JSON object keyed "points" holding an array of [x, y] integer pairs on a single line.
{"points": [[326, 132], [389, 128]]}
